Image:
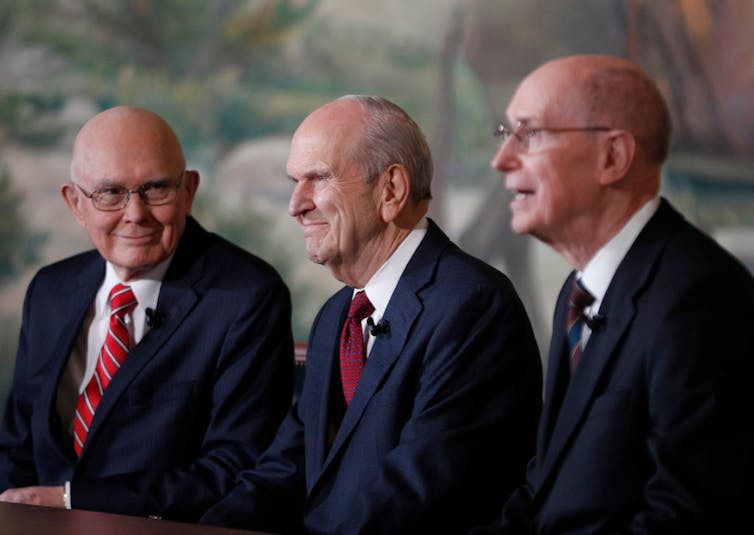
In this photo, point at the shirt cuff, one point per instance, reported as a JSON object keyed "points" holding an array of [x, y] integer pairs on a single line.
{"points": [[67, 495]]}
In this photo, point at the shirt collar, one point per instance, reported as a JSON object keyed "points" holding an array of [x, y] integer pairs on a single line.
{"points": [[146, 288], [380, 287], [600, 270]]}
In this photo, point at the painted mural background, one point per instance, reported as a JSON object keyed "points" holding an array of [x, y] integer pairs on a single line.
{"points": [[235, 78]]}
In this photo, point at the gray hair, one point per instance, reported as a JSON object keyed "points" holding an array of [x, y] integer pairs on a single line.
{"points": [[392, 137]]}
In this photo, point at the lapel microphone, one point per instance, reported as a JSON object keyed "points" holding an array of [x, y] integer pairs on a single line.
{"points": [[376, 329], [154, 319], [596, 323]]}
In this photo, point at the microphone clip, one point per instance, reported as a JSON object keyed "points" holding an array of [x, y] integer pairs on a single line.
{"points": [[376, 329], [154, 319], [596, 323]]}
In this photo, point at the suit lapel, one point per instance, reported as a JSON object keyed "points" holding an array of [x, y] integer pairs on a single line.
{"points": [[324, 365], [402, 312], [557, 370], [74, 308], [618, 307]]}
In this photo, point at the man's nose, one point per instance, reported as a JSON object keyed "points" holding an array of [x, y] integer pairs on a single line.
{"points": [[301, 198]]}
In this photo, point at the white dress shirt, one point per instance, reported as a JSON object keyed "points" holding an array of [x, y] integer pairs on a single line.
{"points": [[600, 270], [381, 286]]}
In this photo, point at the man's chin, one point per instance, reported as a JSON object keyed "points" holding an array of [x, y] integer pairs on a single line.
{"points": [[315, 257], [134, 267], [519, 226]]}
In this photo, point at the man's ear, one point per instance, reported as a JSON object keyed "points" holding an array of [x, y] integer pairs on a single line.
{"points": [[619, 153], [73, 198], [395, 191], [190, 185]]}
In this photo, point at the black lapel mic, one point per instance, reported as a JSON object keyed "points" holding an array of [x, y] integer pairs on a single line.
{"points": [[376, 329], [154, 319], [596, 323]]}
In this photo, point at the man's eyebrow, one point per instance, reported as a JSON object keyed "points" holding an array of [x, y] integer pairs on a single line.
{"points": [[107, 182], [307, 176], [321, 171], [526, 119], [314, 173], [158, 180]]}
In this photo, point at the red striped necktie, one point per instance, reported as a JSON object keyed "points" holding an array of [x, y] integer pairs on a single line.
{"points": [[352, 344], [111, 356]]}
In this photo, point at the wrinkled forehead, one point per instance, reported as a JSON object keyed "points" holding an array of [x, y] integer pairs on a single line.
{"points": [[328, 140]]}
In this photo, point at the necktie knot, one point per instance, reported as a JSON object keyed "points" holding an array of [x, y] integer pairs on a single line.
{"points": [[360, 307], [122, 300], [579, 298]]}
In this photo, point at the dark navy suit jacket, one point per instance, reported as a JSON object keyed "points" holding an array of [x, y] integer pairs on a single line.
{"points": [[196, 400], [653, 433], [439, 428]]}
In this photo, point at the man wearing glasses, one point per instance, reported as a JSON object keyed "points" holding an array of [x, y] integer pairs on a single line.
{"points": [[153, 369], [646, 425]]}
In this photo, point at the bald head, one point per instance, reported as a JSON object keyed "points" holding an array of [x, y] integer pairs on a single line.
{"points": [[121, 137], [612, 91]]}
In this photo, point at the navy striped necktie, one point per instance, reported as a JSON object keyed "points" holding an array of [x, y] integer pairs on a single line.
{"points": [[578, 300]]}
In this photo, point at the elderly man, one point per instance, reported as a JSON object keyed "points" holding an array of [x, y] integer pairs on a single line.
{"points": [[646, 425], [150, 370], [434, 425]]}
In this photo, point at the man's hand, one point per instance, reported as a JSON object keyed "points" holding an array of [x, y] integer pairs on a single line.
{"points": [[47, 496]]}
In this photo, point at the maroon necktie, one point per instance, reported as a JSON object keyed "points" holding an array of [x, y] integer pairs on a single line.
{"points": [[111, 356], [578, 300], [352, 344]]}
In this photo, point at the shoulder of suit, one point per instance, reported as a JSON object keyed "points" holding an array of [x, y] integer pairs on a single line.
{"points": [[72, 265]]}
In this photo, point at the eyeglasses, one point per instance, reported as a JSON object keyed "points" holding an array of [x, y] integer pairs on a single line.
{"points": [[525, 135], [112, 198]]}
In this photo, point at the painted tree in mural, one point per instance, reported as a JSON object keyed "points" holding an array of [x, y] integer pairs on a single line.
{"points": [[198, 62], [19, 244], [704, 62]]}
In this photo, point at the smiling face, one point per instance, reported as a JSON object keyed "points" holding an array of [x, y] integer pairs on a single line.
{"points": [[130, 147], [555, 183], [333, 203]]}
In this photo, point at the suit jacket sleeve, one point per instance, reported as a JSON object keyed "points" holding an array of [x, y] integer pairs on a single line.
{"points": [[271, 495], [251, 391], [699, 368], [516, 516], [16, 457]]}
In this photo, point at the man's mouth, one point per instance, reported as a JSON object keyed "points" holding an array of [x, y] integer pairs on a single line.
{"points": [[522, 194]]}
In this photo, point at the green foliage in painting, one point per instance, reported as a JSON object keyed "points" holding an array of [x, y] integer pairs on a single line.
{"points": [[19, 245]]}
